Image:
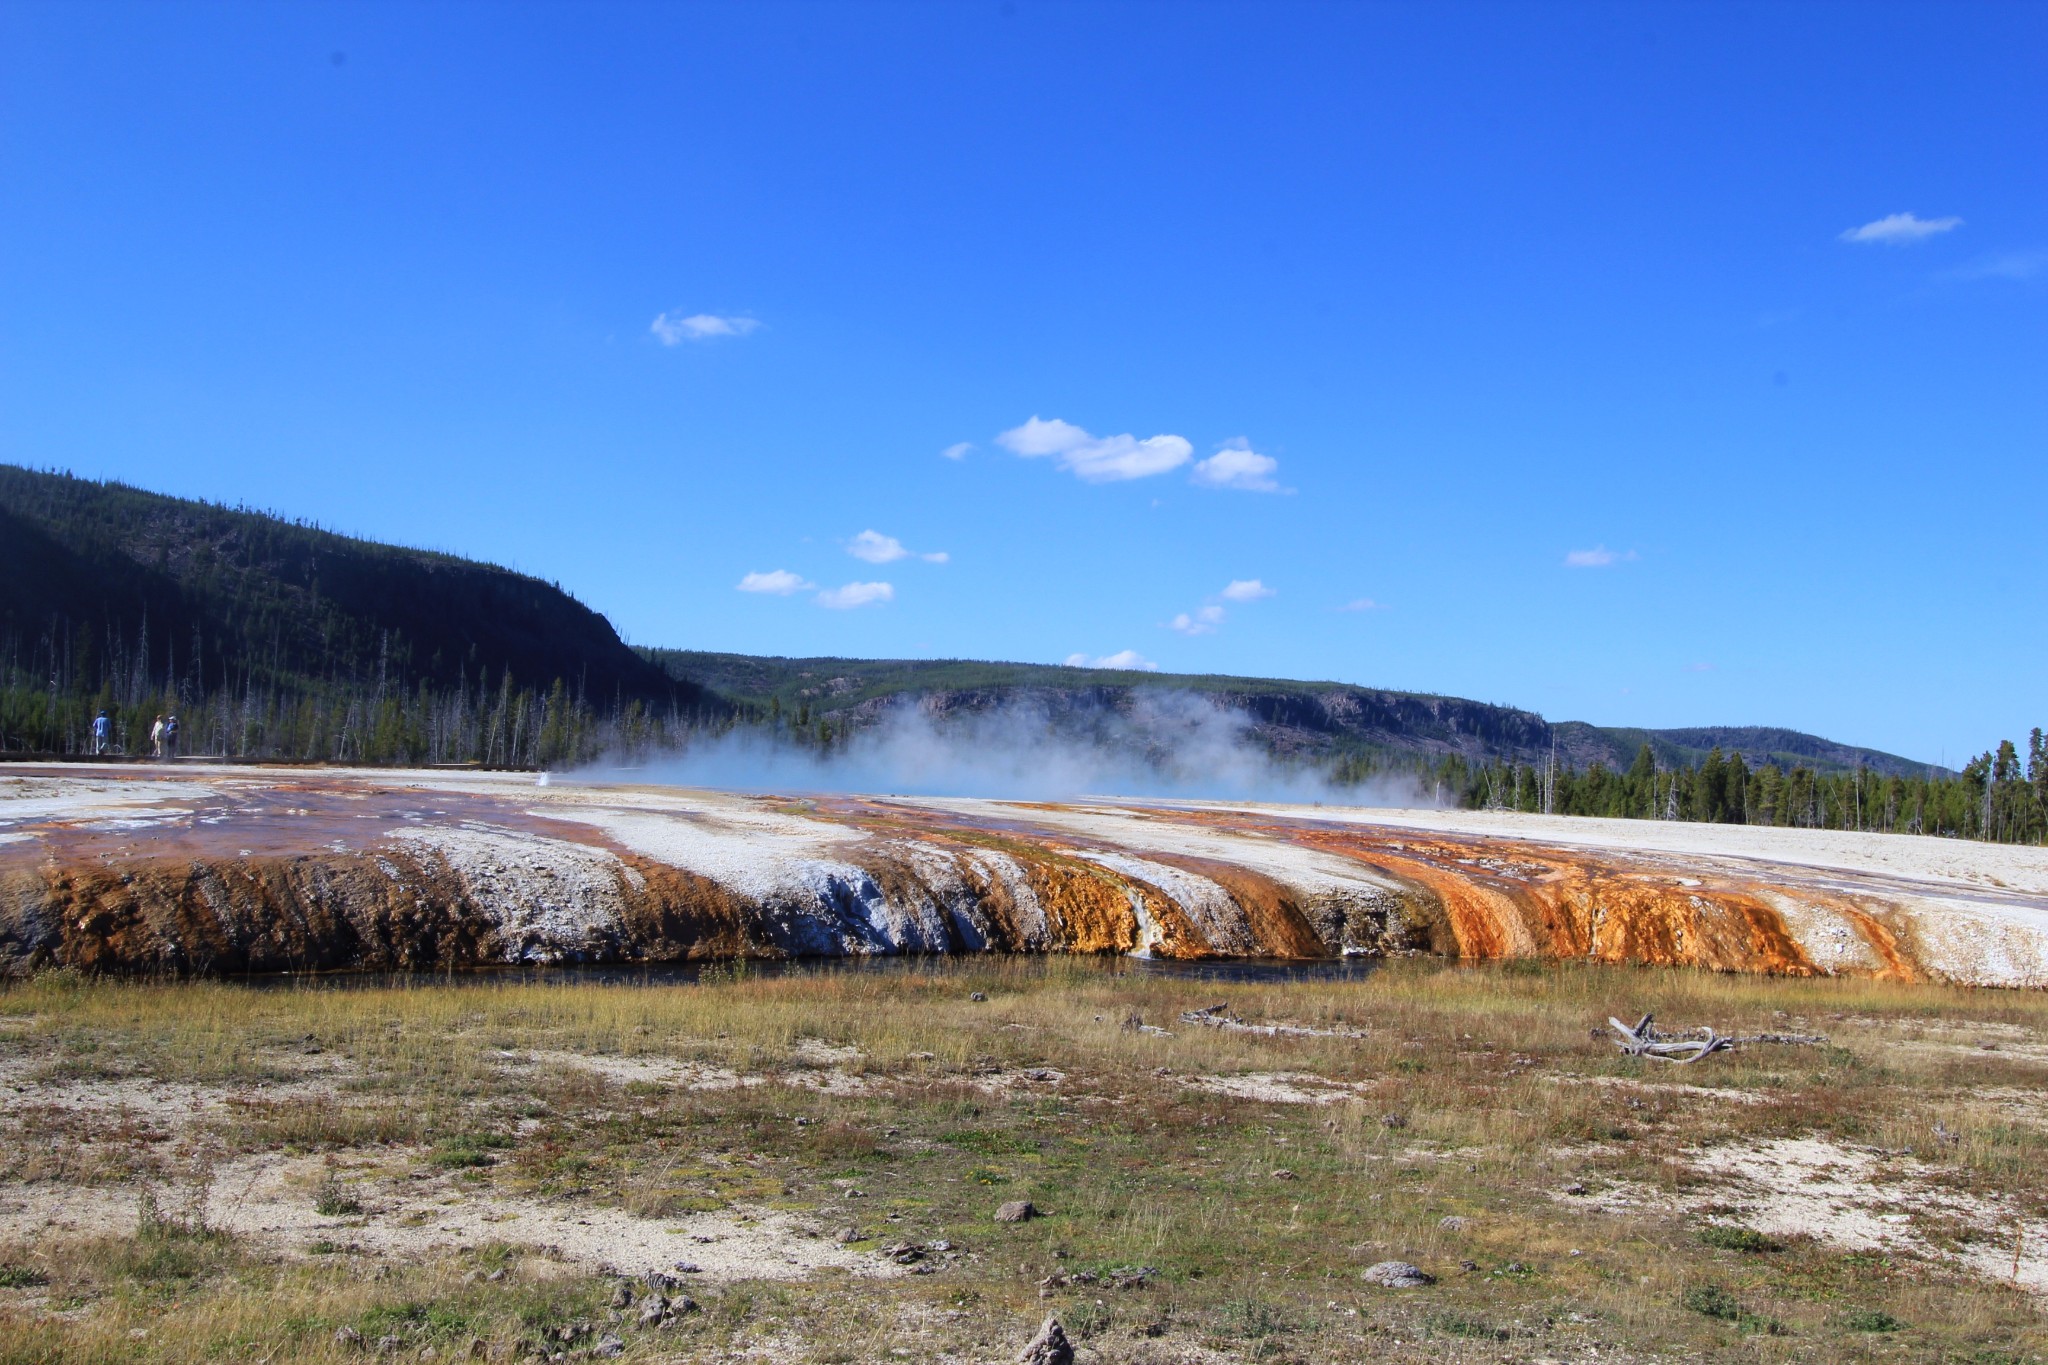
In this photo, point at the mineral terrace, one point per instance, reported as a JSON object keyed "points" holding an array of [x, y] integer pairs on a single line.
{"points": [[196, 869]]}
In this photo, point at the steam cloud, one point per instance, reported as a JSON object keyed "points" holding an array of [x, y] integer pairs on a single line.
{"points": [[1156, 743]]}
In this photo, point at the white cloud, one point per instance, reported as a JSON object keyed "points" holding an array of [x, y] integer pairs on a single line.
{"points": [[1202, 622], [877, 548], [1127, 659], [1236, 465], [1096, 459], [1699, 668], [1245, 590], [673, 331], [957, 451], [1599, 557], [780, 582], [1363, 604], [1901, 229], [854, 595]]}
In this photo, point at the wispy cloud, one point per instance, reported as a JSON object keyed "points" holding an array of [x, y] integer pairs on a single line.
{"points": [[876, 548], [1245, 590], [1901, 229], [1599, 557], [1200, 622], [779, 582], [1236, 465], [957, 451], [1096, 459], [673, 330], [1699, 668], [2012, 265], [853, 595], [1128, 659], [1363, 604]]}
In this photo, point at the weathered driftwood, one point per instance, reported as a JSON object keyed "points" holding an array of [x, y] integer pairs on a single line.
{"points": [[1218, 1016], [1646, 1040]]}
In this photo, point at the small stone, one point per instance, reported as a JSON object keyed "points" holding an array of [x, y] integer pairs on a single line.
{"points": [[609, 1347], [427, 1353], [1468, 1265], [683, 1305], [1049, 1347], [1398, 1275], [940, 1246], [1394, 1121], [688, 1268], [802, 1122], [653, 1311], [389, 1345], [659, 1281], [1451, 1223], [904, 1253], [849, 1234], [496, 1275], [1283, 1175], [622, 1297], [349, 1338], [1514, 1268], [978, 997], [1017, 1211], [1575, 1190]]}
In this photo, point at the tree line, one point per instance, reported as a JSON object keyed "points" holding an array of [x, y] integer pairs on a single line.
{"points": [[50, 696], [1996, 796]]}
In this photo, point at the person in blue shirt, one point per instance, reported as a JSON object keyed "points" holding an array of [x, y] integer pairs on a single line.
{"points": [[102, 733]]}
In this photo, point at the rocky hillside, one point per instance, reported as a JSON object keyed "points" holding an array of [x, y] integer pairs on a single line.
{"points": [[1305, 719]]}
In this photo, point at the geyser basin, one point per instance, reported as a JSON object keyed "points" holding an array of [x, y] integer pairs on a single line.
{"points": [[227, 870]]}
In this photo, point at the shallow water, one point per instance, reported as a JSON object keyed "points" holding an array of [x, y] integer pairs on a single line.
{"points": [[1227, 970]]}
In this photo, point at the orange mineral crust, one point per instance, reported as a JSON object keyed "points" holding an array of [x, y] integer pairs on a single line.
{"points": [[191, 869]]}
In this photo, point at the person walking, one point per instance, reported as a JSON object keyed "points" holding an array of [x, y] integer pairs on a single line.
{"points": [[102, 733], [171, 737], [156, 738]]}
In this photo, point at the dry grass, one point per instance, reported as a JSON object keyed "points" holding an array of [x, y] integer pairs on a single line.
{"points": [[1484, 1094]]}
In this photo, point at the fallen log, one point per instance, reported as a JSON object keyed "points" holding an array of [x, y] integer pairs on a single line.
{"points": [[1647, 1040]]}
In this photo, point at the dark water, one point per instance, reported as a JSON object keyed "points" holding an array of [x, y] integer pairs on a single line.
{"points": [[1253, 970]]}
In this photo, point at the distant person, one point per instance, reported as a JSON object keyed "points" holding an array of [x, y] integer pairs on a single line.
{"points": [[102, 733], [171, 737], [156, 738]]}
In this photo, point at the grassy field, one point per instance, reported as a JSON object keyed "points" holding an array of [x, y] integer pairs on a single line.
{"points": [[212, 1172]]}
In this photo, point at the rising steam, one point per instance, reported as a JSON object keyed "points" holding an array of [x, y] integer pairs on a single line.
{"points": [[1147, 743]]}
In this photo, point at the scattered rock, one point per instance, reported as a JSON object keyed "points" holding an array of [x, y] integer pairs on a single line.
{"points": [[1514, 1268], [609, 1347], [654, 1312], [1049, 1347], [348, 1338], [659, 1281], [1398, 1275], [1283, 1175], [688, 1268], [940, 1245], [1132, 1276], [849, 1234], [389, 1345], [1575, 1190], [1017, 1211], [1468, 1266], [1451, 1223], [1394, 1121], [622, 1297], [802, 1122], [903, 1253], [977, 996]]}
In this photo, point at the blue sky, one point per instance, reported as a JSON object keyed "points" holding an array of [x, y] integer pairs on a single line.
{"points": [[1523, 352]]}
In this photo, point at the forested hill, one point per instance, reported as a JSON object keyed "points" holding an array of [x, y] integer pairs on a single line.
{"points": [[1316, 720], [134, 599]]}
